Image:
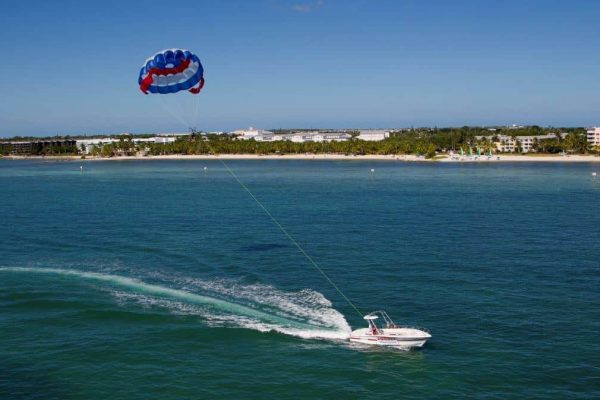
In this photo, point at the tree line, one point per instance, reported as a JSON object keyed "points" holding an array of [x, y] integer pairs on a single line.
{"points": [[419, 141], [425, 141]]}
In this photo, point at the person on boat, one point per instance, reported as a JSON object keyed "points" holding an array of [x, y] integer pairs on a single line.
{"points": [[374, 330]]}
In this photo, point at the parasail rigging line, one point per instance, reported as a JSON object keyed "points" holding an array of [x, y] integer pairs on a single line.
{"points": [[289, 236]]}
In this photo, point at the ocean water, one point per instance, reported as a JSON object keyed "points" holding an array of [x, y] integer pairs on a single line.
{"points": [[162, 280]]}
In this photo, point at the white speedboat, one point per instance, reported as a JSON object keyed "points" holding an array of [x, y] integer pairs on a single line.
{"points": [[390, 334]]}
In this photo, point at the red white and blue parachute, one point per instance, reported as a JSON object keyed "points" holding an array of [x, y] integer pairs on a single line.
{"points": [[171, 71]]}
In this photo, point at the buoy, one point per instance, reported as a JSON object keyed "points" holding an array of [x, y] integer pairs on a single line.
{"points": [[372, 169], [81, 167], [205, 168]]}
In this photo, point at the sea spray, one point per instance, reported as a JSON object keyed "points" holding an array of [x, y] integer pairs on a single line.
{"points": [[305, 305], [306, 314]]}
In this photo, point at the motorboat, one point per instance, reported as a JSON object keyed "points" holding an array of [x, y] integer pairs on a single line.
{"points": [[389, 334]]}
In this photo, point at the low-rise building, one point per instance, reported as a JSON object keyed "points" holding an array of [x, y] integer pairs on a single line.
{"points": [[373, 135], [39, 147], [593, 136], [524, 144], [302, 137], [334, 137], [269, 137], [161, 139], [85, 146], [251, 133]]}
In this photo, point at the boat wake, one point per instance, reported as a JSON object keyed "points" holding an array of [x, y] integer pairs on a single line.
{"points": [[306, 314]]}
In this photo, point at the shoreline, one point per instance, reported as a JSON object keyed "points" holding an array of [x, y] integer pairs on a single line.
{"points": [[373, 157]]}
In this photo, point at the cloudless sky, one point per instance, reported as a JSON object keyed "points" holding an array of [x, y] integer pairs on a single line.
{"points": [[71, 67]]}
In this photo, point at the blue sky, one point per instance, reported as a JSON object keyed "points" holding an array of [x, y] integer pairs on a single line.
{"points": [[70, 67]]}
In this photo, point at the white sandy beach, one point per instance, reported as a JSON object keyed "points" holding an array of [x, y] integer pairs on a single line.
{"points": [[414, 158], [525, 158]]}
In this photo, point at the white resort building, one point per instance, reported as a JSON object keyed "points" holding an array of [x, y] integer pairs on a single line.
{"points": [[251, 133], [506, 144], [86, 146], [593, 136], [373, 135], [331, 137], [310, 136], [297, 137]]}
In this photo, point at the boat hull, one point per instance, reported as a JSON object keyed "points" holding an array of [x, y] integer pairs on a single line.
{"points": [[399, 337]]}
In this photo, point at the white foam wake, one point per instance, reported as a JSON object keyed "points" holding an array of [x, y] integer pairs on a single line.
{"points": [[306, 314]]}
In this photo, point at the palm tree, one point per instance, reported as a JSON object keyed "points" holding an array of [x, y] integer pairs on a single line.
{"points": [[535, 145]]}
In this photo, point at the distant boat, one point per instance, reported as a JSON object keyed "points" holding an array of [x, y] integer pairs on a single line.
{"points": [[390, 335]]}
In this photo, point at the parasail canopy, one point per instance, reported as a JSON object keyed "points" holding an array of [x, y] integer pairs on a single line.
{"points": [[171, 71]]}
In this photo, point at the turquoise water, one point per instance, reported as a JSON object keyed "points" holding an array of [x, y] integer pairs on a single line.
{"points": [[159, 280]]}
